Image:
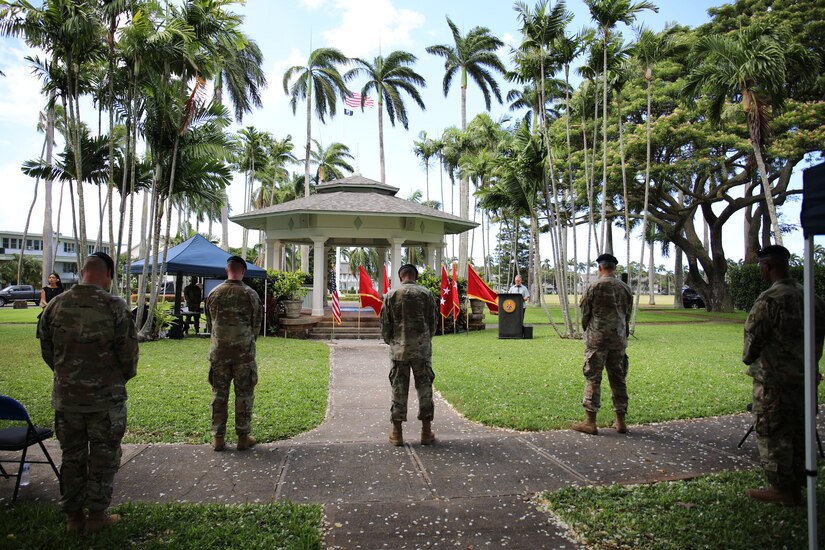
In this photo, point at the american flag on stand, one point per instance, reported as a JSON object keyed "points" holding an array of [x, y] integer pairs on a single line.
{"points": [[353, 100], [336, 304]]}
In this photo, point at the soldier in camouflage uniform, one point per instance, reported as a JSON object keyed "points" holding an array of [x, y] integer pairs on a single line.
{"points": [[233, 315], [88, 339], [606, 306], [773, 351], [408, 322]]}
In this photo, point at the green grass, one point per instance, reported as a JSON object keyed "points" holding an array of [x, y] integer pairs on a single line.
{"points": [[707, 512], [676, 371], [646, 314], [169, 399], [180, 526], [28, 315]]}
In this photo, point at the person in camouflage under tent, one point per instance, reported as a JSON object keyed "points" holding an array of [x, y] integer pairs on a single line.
{"points": [[233, 316], [606, 306], [408, 323], [773, 351], [88, 338]]}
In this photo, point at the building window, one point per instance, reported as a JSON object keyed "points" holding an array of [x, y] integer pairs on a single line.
{"points": [[34, 244], [69, 247], [12, 243]]}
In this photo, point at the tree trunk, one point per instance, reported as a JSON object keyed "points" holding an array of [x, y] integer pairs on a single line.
{"points": [[381, 138], [604, 142], [49, 244], [766, 189], [651, 277], [464, 188]]}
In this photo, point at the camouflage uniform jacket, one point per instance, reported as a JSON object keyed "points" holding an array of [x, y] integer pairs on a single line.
{"points": [[193, 295], [606, 307], [408, 322], [88, 338], [775, 334], [233, 316]]}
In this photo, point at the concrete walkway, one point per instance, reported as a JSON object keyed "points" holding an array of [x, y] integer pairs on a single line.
{"points": [[472, 488]]}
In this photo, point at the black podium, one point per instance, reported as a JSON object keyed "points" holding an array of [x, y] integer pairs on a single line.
{"points": [[510, 316]]}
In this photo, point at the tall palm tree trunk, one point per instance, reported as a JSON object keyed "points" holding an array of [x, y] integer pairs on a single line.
{"points": [[464, 187], [49, 245], [766, 189], [646, 203], [604, 146], [28, 220], [307, 150], [381, 139]]}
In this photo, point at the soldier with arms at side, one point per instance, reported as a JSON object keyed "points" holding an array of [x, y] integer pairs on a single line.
{"points": [[606, 306], [233, 316], [88, 339], [408, 323], [194, 296], [773, 351]]}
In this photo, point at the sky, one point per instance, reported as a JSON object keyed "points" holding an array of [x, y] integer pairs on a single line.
{"points": [[286, 31]]}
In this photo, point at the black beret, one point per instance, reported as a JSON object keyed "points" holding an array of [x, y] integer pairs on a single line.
{"points": [[237, 259], [608, 258], [405, 267], [110, 264], [774, 251]]}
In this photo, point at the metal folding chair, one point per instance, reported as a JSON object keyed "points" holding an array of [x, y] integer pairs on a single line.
{"points": [[20, 438]]}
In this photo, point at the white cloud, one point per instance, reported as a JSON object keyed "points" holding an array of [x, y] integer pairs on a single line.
{"points": [[274, 92], [366, 26], [312, 4], [20, 97]]}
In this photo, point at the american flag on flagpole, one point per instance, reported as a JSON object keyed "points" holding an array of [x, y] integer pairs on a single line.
{"points": [[336, 304], [353, 100]]}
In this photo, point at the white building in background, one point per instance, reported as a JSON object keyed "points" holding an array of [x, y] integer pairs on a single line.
{"points": [[65, 259]]}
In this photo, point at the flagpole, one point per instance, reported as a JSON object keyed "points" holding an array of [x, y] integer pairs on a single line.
{"points": [[467, 298], [359, 317]]}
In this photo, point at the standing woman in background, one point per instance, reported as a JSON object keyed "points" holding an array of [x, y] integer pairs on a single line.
{"points": [[55, 287]]}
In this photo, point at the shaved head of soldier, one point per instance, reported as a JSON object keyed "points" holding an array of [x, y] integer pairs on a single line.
{"points": [[773, 262], [408, 272], [96, 272], [235, 268]]}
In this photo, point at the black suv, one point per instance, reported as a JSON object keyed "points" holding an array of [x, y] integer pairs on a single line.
{"points": [[691, 298]]}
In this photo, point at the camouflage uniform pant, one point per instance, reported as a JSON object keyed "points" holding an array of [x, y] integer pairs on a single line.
{"points": [[615, 363], [400, 380], [780, 434], [221, 376], [90, 443]]}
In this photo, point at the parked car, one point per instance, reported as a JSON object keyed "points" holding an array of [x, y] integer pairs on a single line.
{"points": [[691, 298], [19, 292]]}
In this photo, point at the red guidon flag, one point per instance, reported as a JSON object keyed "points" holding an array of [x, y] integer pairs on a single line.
{"points": [[336, 302], [478, 289], [454, 295], [386, 281], [369, 296], [445, 299]]}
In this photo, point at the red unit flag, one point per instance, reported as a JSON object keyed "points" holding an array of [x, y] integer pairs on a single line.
{"points": [[445, 299], [369, 296], [454, 295], [478, 289], [386, 281]]}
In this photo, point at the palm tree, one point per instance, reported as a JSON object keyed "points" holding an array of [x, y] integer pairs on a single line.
{"points": [[425, 149], [253, 146], [389, 77], [607, 13], [751, 66], [330, 161], [473, 54]]}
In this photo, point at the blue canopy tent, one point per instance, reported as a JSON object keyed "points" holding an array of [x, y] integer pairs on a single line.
{"points": [[812, 217], [194, 256]]}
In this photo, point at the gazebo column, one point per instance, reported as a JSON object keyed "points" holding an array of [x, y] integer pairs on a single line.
{"points": [[429, 261], [318, 276], [396, 261], [382, 258], [278, 255], [439, 256]]}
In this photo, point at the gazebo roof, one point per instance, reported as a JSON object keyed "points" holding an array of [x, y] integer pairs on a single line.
{"points": [[354, 195]]}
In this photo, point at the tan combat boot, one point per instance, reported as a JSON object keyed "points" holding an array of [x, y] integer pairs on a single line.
{"points": [[245, 441], [218, 443], [774, 495], [100, 519], [427, 435], [588, 426], [396, 435], [75, 522], [620, 426]]}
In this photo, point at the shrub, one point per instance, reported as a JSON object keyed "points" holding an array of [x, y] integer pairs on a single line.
{"points": [[746, 283]]}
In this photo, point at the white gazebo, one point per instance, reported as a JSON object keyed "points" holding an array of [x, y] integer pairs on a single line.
{"points": [[353, 211]]}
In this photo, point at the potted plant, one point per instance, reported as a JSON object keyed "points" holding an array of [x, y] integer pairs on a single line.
{"points": [[288, 289]]}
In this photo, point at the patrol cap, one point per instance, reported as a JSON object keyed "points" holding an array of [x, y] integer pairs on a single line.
{"points": [[407, 267], [110, 264], [236, 259], [774, 251], [607, 258]]}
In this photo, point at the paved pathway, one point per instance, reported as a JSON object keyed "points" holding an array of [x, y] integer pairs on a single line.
{"points": [[472, 488]]}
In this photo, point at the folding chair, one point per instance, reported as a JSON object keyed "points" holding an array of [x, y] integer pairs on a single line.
{"points": [[20, 438], [753, 427]]}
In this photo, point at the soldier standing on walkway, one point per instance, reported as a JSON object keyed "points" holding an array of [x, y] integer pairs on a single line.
{"points": [[88, 338], [606, 306], [773, 351], [408, 323], [233, 315]]}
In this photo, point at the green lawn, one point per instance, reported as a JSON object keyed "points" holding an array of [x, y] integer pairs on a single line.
{"points": [[11, 315], [646, 314], [180, 526], [169, 399], [707, 512], [676, 371]]}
